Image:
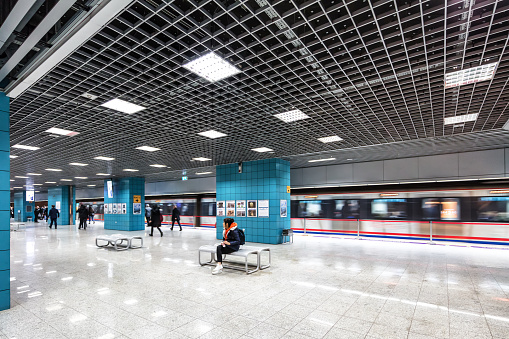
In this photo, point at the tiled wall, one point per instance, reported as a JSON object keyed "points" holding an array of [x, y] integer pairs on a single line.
{"points": [[123, 191], [5, 299], [259, 180], [20, 204], [61, 193]]}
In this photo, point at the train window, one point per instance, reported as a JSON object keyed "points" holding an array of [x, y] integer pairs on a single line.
{"points": [[389, 209], [441, 209], [431, 209], [310, 209], [450, 209], [493, 209], [346, 209]]}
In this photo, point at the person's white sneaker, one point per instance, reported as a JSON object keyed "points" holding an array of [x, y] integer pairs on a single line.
{"points": [[218, 269]]}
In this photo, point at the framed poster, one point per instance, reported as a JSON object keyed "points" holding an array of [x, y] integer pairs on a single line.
{"points": [[283, 208], [113, 208], [230, 208], [252, 211], [57, 205], [136, 208], [263, 208], [106, 209], [220, 208], [124, 208], [119, 208], [241, 208]]}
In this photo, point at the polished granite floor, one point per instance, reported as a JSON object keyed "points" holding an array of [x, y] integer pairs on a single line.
{"points": [[63, 286]]}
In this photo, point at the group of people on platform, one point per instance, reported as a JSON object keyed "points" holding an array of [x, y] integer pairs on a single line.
{"points": [[155, 218], [85, 213], [40, 213]]}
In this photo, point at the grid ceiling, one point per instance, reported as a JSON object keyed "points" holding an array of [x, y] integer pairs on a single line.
{"points": [[370, 72]]}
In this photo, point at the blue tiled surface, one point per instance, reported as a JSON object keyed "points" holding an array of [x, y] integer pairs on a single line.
{"points": [[61, 193], [123, 191], [4, 203], [20, 204], [260, 180]]}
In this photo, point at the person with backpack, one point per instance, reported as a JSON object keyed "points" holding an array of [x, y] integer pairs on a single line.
{"points": [[231, 243], [155, 220], [175, 216]]}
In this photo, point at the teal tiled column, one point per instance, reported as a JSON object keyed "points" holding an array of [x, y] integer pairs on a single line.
{"points": [[260, 180], [124, 190], [20, 207], [64, 195], [5, 297]]}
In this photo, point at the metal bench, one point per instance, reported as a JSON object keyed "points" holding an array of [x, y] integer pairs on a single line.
{"points": [[117, 241], [243, 252]]}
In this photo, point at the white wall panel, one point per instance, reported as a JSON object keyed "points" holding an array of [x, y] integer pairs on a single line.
{"points": [[481, 163], [368, 171], [401, 169], [438, 166]]}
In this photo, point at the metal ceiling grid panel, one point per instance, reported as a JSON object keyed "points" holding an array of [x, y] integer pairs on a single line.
{"points": [[370, 72]]}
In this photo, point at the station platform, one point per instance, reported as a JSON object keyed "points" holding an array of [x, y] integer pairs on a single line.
{"points": [[63, 286]]}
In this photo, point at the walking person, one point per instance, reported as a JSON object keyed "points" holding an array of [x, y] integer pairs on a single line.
{"points": [[36, 214], [155, 220], [83, 214], [175, 216], [230, 244], [148, 213], [91, 214], [53, 215]]}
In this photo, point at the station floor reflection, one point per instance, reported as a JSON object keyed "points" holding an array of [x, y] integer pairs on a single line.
{"points": [[63, 286]]}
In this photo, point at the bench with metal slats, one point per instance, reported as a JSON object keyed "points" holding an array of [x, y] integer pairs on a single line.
{"points": [[117, 241], [244, 252]]}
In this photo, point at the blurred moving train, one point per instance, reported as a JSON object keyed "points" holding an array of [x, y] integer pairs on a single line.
{"points": [[466, 215]]}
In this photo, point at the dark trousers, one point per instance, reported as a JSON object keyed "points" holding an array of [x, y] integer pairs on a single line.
{"points": [[148, 220], [222, 250], [83, 223], [53, 220], [173, 223], [152, 230]]}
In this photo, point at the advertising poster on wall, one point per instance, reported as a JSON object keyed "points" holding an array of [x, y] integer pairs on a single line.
{"points": [[113, 208], [106, 209], [252, 210], [241, 208], [263, 208], [230, 208], [220, 209], [30, 196], [136, 208], [124, 208], [283, 208], [119, 208]]}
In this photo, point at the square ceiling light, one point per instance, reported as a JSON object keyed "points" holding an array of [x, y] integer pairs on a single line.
{"points": [[104, 158], [201, 159], [123, 106], [158, 166], [60, 131], [212, 134], [461, 118], [330, 139], [262, 149], [470, 75], [31, 148], [77, 164], [291, 116], [212, 67], [148, 148]]}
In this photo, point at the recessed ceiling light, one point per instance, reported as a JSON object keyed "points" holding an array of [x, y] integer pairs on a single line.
{"points": [[201, 159], [60, 131], [12, 180], [349, 159], [91, 185], [211, 67], [17, 187], [290, 116], [81, 177], [470, 75], [123, 106], [330, 139], [201, 173], [89, 96], [77, 164], [53, 169], [212, 134], [37, 184], [12, 156], [156, 165], [319, 160], [34, 174], [130, 170], [148, 148], [20, 176], [461, 118], [65, 179], [106, 174], [31, 148], [262, 149], [37, 191], [104, 158], [50, 182]]}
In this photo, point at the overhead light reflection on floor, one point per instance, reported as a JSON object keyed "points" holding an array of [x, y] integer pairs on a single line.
{"points": [[159, 313], [50, 272], [104, 290], [90, 264], [24, 286], [34, 294], [107, 336], [131, 302], [321, 322], [66, 278], [55, 307], [77, 317], [13, 278]]}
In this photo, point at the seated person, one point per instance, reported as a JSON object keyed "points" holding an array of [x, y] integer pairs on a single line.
{"points": [[230, 244]]}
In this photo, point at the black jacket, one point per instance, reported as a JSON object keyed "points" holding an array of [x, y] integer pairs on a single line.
{"points": [[155, 219], [83, 212], [53, 213], [233, 239], [175, 214]]}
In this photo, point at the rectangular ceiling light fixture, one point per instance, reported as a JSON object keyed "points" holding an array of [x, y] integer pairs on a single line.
{"points": [[123, 106], [54, 169], [148, 148], [77, 164], [201, 159], [202, 173], [60, 131], [211, 67], [103, 174], [50, 182], [470, 75], [320, 160], [291, 116], [34, 174], [31, 148], [158, 166], [13, 156], [330, 139], [104, 158], [20, 176], [130, 170], [262, 149], [65, 179], [460, 118], [37, 184], [81, 177], [212, 134], [91, 185]]}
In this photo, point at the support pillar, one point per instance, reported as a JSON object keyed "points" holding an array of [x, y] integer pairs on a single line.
{"points": [[254, 181], [23, 208], [62, 198], [128, 192], [5, 249]]}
